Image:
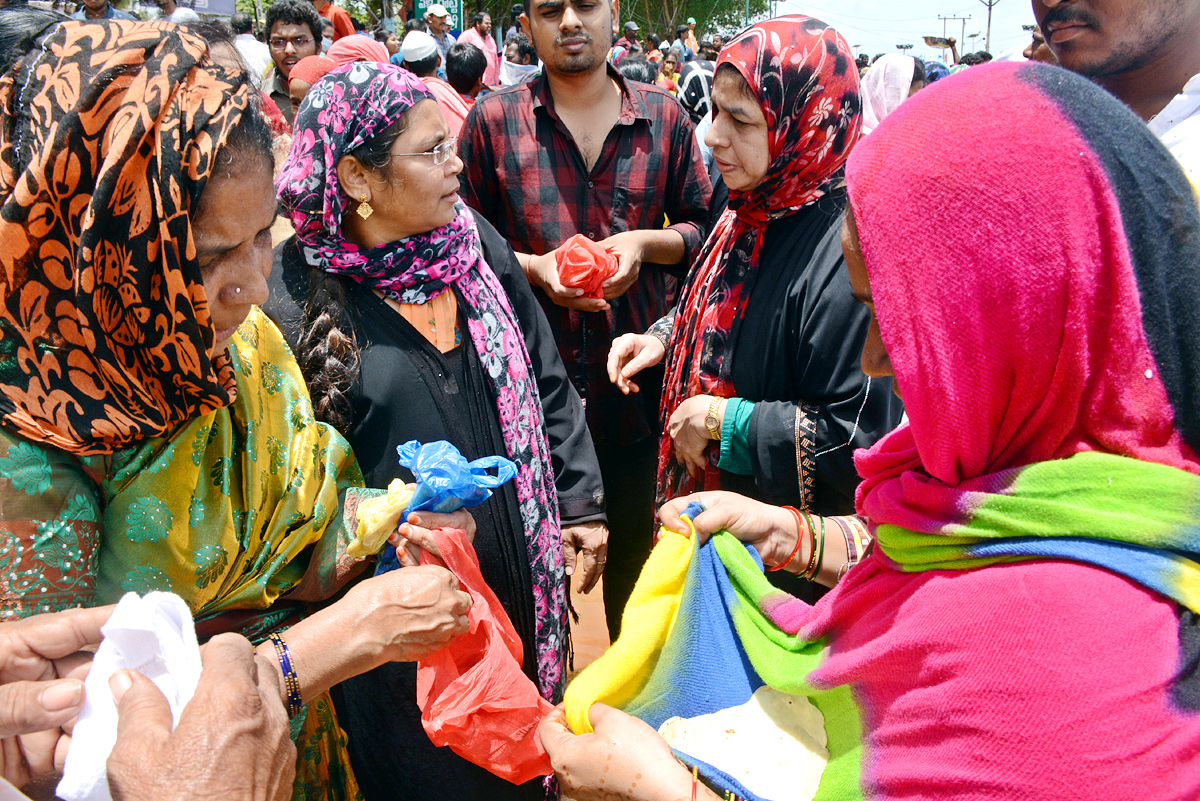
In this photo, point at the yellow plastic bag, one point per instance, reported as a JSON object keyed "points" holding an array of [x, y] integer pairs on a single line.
{"points": [[378, 518]]}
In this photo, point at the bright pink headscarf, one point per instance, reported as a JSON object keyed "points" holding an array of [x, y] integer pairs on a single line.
{"points": [[357, 48], [1012, 307], [310, 68]]}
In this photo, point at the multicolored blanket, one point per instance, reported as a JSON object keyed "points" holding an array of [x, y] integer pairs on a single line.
{"points": [[702, 631]]}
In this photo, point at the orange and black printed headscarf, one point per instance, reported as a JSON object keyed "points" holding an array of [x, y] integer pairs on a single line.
{"points": [[109, 133]]}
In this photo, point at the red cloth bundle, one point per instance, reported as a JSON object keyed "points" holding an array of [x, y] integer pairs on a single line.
{"points": [[472, 693], [583, 264]]}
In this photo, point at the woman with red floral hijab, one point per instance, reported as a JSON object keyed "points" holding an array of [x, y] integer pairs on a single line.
{"points": [[764, 394]]}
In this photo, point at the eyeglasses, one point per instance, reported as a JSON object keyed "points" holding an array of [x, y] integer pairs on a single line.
{"points": [[298, 42], [441, 153]]}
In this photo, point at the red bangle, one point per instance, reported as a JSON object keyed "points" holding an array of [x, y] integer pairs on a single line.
{"points": [[799, 540]]}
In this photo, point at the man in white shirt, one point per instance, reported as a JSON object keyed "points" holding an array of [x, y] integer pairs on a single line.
{"points": [[256, 54], [1145, 52], [172, 12]]}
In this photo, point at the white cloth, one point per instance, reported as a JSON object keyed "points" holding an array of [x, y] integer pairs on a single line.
{"points": [[153, 635], [705, 150], [512, 74], [885, 87], [1178, 126], [256, 55]]}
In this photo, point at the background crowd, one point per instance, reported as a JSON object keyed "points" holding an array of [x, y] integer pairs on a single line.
{"points": [[233, 284]]}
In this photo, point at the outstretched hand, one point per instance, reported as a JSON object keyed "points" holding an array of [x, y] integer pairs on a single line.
{"points": [[623, 758], [629, 355], [232, 740], [415, 534], [543, 273], [771, 530]]}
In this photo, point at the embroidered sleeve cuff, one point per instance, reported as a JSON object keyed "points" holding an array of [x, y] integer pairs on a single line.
{"points": [[662, 328], [806, 452]]}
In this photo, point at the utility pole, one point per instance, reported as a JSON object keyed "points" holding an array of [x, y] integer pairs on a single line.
{"points": [[955, 19], [989, 4]]}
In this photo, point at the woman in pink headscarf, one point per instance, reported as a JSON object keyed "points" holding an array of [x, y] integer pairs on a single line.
{"points": [[1027, 623], [357, 48]]}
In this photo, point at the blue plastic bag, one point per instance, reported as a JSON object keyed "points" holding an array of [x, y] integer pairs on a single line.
{"points": [[446, 482]]}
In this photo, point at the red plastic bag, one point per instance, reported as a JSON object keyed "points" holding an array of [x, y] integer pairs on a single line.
{"points": [[472, 693], [583, 264]]}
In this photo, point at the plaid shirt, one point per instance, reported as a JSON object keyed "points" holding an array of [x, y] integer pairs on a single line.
{"points": [[526, 176]]}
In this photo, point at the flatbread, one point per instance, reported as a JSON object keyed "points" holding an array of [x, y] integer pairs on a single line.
{"points": [[774, 744]]}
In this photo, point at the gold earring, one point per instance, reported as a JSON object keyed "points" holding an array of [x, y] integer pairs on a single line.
{"points": [[364, 208]]}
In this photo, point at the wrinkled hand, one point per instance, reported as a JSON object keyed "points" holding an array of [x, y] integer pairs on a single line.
{"points": [[409, 613], [629, 355], [622, 759], [543, 273], [627, 247], [416, 534], [686, 427], [232, 740], [585, 549], [41, 688], [771, 530]]}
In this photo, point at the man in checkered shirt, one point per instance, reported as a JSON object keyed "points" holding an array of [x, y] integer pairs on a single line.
{"points": [[579, 150]]}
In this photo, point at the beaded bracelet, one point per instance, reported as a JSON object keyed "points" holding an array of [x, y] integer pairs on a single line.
{"points": [[851, 551], [291, 682], [799, 539], [859, 535]]}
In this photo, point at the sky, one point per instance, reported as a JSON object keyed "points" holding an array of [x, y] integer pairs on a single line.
{"points": [[877, 26]]}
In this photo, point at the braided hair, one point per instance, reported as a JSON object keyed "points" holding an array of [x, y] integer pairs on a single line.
{"points": [[328, 352]]}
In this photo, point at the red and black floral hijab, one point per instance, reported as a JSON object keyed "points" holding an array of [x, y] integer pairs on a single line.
{"points": [[110, 130], [806, 82]]}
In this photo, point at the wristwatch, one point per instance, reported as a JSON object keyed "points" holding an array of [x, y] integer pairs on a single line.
{"points": [[711, 421]]}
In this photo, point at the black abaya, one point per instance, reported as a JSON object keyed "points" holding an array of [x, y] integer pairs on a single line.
{"points": [[407, 390]]}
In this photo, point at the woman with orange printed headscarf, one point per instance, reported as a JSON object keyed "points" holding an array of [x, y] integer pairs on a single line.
{"points": [[155, 433]]}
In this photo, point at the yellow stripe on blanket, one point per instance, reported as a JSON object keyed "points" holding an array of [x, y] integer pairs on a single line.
{"points": [[616, 677]]}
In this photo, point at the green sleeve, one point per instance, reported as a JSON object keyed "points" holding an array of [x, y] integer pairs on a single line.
{"points": [[735, 437], [49, 526]]}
